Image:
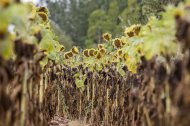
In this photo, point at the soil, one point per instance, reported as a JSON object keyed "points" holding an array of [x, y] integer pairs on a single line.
{"points": [[61, 121]]}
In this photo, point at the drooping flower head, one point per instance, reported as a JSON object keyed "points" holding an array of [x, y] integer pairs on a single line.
{"points": [[107, 36]]}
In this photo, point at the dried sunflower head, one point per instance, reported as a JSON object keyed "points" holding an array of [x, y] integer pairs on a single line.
{"points": [[132, 30], [43, 16], [137, 29], [98, 55], [100, 46], [120, 53], [4, 3], [91, 52], [75, 50], [70, 54], [117, 43], [66, 56], [95, 52], [62, 48], [43, 9], [85, 53], [103, 51], [107, 36]]}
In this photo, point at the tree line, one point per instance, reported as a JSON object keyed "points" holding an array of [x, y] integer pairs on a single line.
{"points": [[82, 22]]}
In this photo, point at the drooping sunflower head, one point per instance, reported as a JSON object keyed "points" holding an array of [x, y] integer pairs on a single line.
{"points": [[107, 36], [100, 46], [132, 30], [91, 52], [43, 16], [62, 48], [117, 43], [120, 53], [70, 54], [98, 55], [85, 53], [102, 51], [75, 50], [95, 52], [4, 3], [43, 9], [66, 56], [136, 29]]}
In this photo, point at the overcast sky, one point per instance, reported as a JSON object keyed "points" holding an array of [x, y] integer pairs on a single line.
{"points": [[34, 1]]}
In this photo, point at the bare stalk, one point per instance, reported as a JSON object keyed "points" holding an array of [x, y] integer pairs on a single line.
{"points": [[92, 107], [23, 99], [41, 90], [147, 117]]}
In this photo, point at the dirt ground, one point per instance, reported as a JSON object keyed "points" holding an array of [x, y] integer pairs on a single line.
{"points": [[61, 121]]}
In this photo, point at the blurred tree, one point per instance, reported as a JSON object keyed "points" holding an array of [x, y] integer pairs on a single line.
{"points": [[62, 37], [85, 20], [57, 10], [72, 16], [98, 23], [154, 7], [113, 15], [151, 8], [122, 4], [101, 21], [131, 14]]}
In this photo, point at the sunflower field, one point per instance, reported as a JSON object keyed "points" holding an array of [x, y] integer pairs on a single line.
{"points": [[140, 78]]}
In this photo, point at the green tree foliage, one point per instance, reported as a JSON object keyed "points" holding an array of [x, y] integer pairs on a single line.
{"points": [[85, 20], [98, 24], [131, 14], [61, 36], [101, 21], [72, 16], [113, 14], [154, 7]]}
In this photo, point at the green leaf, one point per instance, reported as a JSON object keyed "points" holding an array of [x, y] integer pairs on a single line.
{"points": [[52, 55], [44, 62], [6, 49], [120, 70], [46, 43], [98, 67], [79, 80], [79, 83]]}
